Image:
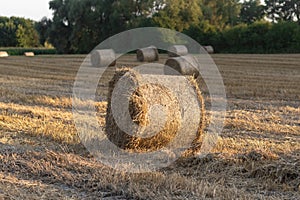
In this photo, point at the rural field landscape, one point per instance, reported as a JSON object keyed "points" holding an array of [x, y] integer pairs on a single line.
{"points": [[257, 155]]}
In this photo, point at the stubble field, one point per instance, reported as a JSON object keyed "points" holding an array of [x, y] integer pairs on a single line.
{"points": [[257, 155]]}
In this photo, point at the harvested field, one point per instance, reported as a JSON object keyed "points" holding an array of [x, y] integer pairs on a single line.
{"points": [[257, 155]]}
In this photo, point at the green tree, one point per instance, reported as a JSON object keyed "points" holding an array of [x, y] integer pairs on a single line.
{"points": [[7, 32], [221, 13], [26, 35], [255, 37], [204, 33], [284, 38], [16, 31], [179, 14], [43, 28], [61, 28], [251, 11], [87, 20], [283, 10], [78, 26], [245, 38]]}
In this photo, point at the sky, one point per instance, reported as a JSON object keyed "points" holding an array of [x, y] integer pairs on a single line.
{"points": [[32, 9]]}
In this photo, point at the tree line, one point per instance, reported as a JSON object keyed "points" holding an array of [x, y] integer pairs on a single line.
{"points": [[230, 26], [18, 32]]}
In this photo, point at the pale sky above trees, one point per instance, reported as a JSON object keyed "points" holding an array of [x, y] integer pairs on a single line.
{"points": [[32, 9]]}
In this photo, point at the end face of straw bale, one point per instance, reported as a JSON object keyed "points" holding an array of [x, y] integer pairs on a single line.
{"points": [[148, 54], [185, 65], [209, 49], [29, 54], [178, 50], [3, 54], [103, 58]]}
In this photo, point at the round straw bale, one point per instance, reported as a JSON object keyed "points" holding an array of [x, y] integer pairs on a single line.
{"points": [[178, 50], [209, 49], [3, 54], [185, 65], [29, 54], [148, 54], [180, 110], [103, 58]]}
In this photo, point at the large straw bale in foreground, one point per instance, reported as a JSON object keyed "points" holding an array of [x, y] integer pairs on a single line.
{"points": [[159, 107]]}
